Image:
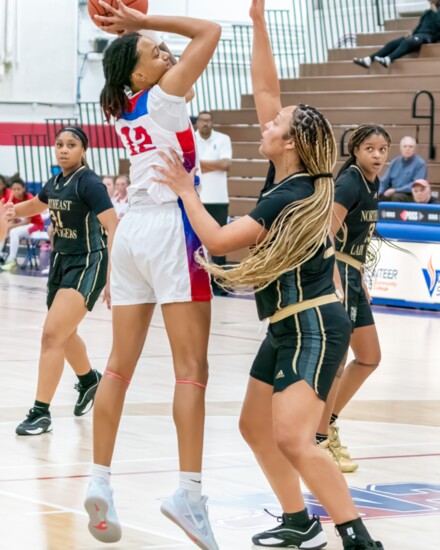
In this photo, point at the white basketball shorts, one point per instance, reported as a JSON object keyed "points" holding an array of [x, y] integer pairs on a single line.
{"points": [[152, 259]]}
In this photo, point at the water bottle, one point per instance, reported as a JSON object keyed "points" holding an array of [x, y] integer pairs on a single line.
{"points": [[45, 257]]}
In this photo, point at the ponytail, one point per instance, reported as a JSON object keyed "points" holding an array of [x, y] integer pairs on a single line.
{"points": [[120, 60]]}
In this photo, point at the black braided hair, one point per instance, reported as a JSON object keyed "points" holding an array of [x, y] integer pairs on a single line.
{"points": [[359, 135], [119, 62]]}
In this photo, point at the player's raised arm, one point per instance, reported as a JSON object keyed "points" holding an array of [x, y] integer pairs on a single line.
{"points": [[265, 83], [204, 37]]}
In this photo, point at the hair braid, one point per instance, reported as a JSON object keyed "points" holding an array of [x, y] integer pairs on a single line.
{"points": [[302, 227], [119, 62]]}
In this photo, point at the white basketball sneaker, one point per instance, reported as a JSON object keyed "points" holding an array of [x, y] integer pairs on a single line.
{"points": [[192, 517], [104, 524]]}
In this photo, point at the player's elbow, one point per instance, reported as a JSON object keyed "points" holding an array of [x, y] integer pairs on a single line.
{"points": [[216, 30], [215, 249], [218, 247]]}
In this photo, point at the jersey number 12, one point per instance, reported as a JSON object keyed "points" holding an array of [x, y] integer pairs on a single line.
{"points": [[138, 139]]}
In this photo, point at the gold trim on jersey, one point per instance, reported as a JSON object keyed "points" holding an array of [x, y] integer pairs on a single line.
{"points": [[292, 309], [279, 294], [282, 182], [347, 259], [298, 344], [321, 358], [298, 284], [87, 231], [364, 179], [346, 288], [56, 184], [84, 271], [97, 268]]}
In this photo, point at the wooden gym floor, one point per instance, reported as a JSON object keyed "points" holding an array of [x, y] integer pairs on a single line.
{"points": [[392, 428]]}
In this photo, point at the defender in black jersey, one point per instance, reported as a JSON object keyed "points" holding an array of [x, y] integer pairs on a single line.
{"points": [[290, 266], [83, 219], [286, 356], [354, 222]]}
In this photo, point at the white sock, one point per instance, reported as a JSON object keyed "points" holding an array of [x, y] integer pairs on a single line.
{"points": [[367, 60], [101, 471], [191, 482]]}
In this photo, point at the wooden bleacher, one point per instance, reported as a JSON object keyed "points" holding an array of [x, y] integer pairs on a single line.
{"points": [[348, 95]]}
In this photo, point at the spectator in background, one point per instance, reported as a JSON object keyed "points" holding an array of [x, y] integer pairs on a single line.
{"points": [[426, 32], [120, 198], [395, 186], [421, 192], [20, 228], [5, 192], [215, 151], [109, 182]]}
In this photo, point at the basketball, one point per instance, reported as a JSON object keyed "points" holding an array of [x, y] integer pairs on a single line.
{"points": [[95, 8]]}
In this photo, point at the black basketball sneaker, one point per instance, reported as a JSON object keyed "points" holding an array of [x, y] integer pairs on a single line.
{"points": [[86, 396], [36, 423], [287, 535]]}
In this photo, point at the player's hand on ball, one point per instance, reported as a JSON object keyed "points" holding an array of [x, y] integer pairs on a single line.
{"points": [[121, 20], [174, 175]]}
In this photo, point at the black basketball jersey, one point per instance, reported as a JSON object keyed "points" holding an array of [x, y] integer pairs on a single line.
{"points": [[359, 197], [312, 279], [74, 203]]}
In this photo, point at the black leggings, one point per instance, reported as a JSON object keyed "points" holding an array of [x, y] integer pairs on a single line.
{"points": [[402, 46]]}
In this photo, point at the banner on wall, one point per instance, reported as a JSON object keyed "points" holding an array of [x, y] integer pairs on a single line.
{"points": [[401, 278]]}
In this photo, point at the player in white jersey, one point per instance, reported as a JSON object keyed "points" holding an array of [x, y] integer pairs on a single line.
{"points": [[153, 260]]}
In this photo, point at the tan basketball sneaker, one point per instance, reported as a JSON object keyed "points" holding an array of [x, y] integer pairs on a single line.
{"points": [[346, 465], [335, 441]]}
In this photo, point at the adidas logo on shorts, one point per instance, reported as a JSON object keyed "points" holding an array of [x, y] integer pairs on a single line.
{"points": [[279, 375]]}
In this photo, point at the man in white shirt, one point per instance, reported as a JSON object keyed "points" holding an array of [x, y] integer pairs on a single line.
{"points": [[215, 153]]}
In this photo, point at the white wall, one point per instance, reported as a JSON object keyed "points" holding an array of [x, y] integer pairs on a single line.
{"points": [[42, 66]]}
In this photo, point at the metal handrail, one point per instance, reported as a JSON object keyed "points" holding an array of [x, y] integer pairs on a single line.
{"points": [[431, 117], [342, 152]]}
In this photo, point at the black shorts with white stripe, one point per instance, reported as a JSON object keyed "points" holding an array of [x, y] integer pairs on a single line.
{"points": [[356, 302], [308, 345], [86, 273]]}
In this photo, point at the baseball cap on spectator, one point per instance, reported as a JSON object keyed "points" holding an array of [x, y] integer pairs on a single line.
{"points": [[422, 183]]}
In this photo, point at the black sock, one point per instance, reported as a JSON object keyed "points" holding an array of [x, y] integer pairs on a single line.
{"points": [[41, 407], [333, 418], [298, 518], [88, 379], [353, 529], [320, 438]]}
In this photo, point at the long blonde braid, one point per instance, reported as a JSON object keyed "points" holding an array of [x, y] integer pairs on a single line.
{"points": [[302, 227]]}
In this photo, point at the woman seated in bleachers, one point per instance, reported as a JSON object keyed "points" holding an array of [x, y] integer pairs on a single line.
{"points": [[426, 32]]}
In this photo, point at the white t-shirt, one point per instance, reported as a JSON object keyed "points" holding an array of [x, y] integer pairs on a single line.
{"points": [[214, 184], [155, 121]]}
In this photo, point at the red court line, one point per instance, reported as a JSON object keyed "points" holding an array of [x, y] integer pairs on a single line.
{"points": [[148, 472]]}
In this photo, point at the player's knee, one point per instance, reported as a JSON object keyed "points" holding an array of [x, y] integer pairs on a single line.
{"points": [[119, 367], [249, 431], [51, 339], [289, 441], [193, 369]]}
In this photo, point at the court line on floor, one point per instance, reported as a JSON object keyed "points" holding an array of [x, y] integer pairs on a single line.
{"points": [[66, 509], [205, 456], [206, 468]]}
